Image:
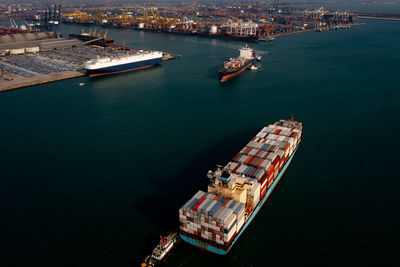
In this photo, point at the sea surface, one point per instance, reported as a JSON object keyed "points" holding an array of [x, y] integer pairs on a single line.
{"points": [[93, 175]]}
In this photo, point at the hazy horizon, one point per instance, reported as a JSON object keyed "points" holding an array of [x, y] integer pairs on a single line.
{"points": [[384, 6]]}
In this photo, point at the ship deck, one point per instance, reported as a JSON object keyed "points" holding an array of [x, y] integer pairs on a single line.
{"points": [[202, 244]]}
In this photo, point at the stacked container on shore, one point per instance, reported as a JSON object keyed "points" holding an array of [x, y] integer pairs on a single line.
{"points": [[214, 220]]}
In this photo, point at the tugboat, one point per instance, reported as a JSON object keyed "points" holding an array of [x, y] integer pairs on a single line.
{"points": [[161, 250], [235, 66]]}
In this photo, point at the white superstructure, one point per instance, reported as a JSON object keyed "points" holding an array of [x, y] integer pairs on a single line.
{"points": [[246, 53]]}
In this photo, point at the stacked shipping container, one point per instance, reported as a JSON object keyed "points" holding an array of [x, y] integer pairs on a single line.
{"points": [[212, 217], [218, 216], [266, 154]]}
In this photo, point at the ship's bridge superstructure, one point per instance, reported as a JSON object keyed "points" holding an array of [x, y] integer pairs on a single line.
{"points": [[240, 188]]}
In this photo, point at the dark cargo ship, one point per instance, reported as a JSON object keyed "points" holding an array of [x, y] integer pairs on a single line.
{"points": [[227, 36], [235, 66], [86, 37]]}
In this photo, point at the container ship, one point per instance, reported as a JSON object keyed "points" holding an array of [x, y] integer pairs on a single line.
{"points": [[228, 36], [235, 66], [214, 220], [93, 38], [123, 63]]}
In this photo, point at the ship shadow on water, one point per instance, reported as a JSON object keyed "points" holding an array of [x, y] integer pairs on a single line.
{"points": [[162, 207]]}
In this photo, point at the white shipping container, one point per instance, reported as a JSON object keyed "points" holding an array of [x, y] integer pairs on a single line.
{"points": [[239, 224], [199, 194], [228, 237], [260, 134], [231, 218]]}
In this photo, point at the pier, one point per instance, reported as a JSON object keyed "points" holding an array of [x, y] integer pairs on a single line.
{"points": [[20, 81], [50, 59]]}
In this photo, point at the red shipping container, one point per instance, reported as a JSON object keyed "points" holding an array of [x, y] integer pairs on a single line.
{"points": [[237, 167], [270, 183], [254, 161], [260, 162], [270, 170], [250, 161], [215, 198], [277, 131], [247, 150], [246, 162], [235, 158], [266, 155], [264, 184], [223, 204], [264, 190], [258, 152], [276, 160], [198, 203], [294, 134], [262, 194], [257, 162], [263, 178]]}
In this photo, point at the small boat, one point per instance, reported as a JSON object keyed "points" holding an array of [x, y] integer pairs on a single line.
{"points": [[258, 58], [161, 250], [81, 84]]}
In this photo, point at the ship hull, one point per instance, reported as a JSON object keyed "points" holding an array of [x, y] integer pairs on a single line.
{"points": [[124, 67], [223, 250], [86, 38], [230, 74], [252, 38]]}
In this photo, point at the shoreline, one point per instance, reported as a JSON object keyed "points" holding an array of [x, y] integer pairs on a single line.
{"points": [[379, 18], [21, 82]]}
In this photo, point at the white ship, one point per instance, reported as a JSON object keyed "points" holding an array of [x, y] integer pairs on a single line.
{"points": [[123, 63]]}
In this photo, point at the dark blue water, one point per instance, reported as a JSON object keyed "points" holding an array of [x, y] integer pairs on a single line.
{"points": [[91, 176]]}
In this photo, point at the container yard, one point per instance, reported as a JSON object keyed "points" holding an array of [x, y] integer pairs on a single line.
{"points": [[242, 22], [32, 57], [215, 219], [47, 66]]}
